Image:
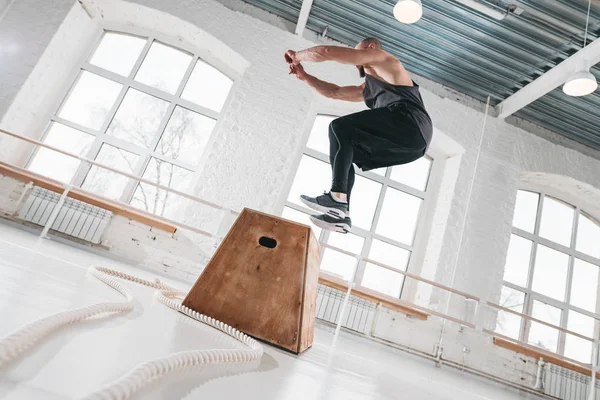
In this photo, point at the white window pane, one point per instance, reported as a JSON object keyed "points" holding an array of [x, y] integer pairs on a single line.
{"points": [[163, 67], [107, 183], [541, 335], [550, 273], [399, 216], [388, 254], [158, 201], [526, 210], [312, 177], [167, 174], [557, 221], [348, 242], [506, 323], [185, 136], [319, 134], [118, 52], [414, 174], [577, 348], [302, 218], [517, 260], [363, 202], [584, 287], [582, 324], [338, 264], [138, 118], [90, 100], [588, 236], [207, 87], [379, 171], [56, 165], [382, 280]]}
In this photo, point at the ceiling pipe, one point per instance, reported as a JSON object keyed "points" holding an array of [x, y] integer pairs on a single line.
{"points": [[482, 8]]}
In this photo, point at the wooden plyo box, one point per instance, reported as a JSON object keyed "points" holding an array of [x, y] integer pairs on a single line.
{"points": [[263, 281]]}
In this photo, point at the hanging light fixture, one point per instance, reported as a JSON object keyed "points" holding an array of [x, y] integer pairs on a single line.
{"points": [[408, 11], [582, 82]]}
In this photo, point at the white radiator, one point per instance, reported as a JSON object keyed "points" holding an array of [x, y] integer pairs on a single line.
{"points": [[75, 217], [565, 384], [359, 312]]}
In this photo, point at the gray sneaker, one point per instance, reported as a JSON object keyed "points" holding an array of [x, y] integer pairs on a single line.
{"points": [[332, 224], [326, 205]]}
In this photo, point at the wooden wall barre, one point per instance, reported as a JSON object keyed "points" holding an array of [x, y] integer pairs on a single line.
{"points": [[552, 359], [78, 194], [371, 295]]}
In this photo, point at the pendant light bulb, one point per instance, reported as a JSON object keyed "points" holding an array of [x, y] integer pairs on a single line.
{"points": [[408, 11]]}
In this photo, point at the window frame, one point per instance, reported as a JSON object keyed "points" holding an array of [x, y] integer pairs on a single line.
{"points": [[571, 252], [424, 218], [101, 137]]}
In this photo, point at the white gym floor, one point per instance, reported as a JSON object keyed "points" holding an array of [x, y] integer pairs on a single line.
{"points": [[39, 277]]}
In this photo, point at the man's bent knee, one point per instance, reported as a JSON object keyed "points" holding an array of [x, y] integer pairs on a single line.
{"points": [[339, 129]]}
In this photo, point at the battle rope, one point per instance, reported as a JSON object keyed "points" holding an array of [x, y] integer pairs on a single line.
{"points": [[19, 341]]}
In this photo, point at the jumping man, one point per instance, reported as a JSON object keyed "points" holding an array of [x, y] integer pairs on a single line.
{"points": [[396, 130]]}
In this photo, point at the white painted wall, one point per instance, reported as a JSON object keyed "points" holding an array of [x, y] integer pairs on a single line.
{"points": [[4, 4], [41, 56], [25, 31], [263, 128]]}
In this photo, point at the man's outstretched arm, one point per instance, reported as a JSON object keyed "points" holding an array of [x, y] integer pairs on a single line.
{"points": [[330, 90], [339, 54]]}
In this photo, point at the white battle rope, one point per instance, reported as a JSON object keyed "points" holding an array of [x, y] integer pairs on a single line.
{"points": [[16, 343]]}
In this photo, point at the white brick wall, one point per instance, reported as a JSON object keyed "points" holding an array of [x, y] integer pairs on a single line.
{"points": [[181, 255], [261, 132], [4, 4], [11, 192], [462, 347]]}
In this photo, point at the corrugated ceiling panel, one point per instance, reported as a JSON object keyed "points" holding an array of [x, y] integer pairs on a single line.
{"points": [[473, 53]]}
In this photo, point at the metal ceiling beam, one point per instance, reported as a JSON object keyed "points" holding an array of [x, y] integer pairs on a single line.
{"points": [[303, 17], [549, 81]]}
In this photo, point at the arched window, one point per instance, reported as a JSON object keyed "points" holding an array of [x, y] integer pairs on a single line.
{"points": [[551, 273], [141, 106], [386, 215]]}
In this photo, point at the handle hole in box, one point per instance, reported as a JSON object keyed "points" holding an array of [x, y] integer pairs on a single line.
{"points": [[267, 242]]}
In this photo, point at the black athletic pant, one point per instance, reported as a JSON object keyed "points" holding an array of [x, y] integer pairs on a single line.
{"points": [[379, 137]]}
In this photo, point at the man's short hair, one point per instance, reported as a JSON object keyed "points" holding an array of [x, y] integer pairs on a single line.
{"points": [[373, 41]]}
